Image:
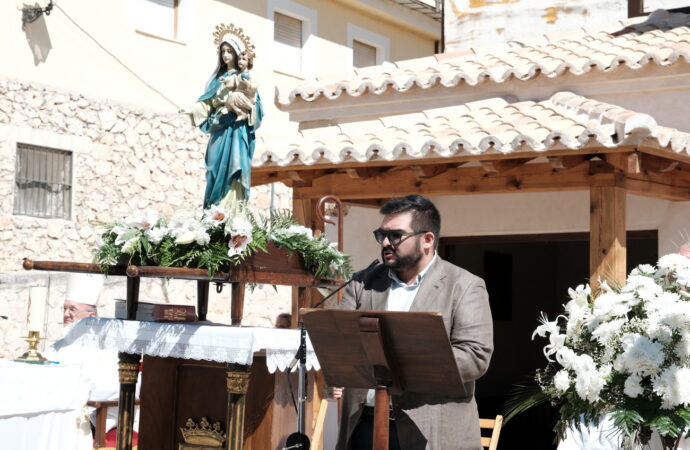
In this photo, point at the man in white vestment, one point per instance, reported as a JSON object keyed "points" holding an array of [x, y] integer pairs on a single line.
{"points": [[98, 366]]}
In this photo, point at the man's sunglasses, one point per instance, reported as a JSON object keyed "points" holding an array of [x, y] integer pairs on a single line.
{"points": [[395, 237]]}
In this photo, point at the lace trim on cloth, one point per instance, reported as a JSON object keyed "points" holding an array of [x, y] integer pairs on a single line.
{"points": [[219, 343]]}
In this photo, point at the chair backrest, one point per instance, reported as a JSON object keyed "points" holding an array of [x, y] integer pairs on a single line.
{"points": [[491, 442]]}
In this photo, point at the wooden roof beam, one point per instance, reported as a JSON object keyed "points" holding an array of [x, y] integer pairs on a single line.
{"points": [[429, 170], [537, 177], [362, 173], [567, 162], [496, 166]]}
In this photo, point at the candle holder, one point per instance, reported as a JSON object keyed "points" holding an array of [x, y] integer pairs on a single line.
{"points": [[33, 356]]}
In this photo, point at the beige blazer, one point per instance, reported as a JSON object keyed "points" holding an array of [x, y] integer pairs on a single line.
{"points": [[427, 421]]}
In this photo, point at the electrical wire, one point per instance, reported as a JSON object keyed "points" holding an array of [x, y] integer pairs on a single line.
{"points": [[177, 107], [292, 393]]}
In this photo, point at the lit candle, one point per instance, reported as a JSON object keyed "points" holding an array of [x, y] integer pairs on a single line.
{"points": [[37, 307]]}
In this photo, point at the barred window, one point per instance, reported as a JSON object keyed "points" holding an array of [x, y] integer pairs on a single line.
{"points": [[43, 182]]}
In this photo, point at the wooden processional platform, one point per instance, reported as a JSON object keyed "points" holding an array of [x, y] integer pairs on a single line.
{"points": [[250, 404]]}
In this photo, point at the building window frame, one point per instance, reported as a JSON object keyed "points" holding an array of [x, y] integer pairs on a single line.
{"points": [[47, 160], [76, 145], [182, 20], [380, 42], [309, 19]]}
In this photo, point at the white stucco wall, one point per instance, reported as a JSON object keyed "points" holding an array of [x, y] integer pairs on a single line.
{"points": [[507, 214], [471, 23]]}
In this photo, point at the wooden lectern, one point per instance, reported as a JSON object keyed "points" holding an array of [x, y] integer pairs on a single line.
{"points": [[387, 351]]}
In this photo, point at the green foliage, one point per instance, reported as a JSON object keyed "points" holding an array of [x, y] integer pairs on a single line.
{"points": [[122, 243], [523, 396]]}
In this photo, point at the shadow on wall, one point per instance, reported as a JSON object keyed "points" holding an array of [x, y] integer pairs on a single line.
{"points": [[38, 39]]}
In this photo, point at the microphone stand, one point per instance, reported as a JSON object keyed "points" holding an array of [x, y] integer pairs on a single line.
{"points": [[300, 440]]}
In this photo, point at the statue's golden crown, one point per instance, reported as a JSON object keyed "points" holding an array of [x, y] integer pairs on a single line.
{"points": [[203, 433], [224, 32]]}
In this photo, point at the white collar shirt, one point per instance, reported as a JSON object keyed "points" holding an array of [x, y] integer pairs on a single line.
{"points": [[401, 295]]}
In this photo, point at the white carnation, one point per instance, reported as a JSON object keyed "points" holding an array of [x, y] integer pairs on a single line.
{"points": [[677, 317], [683, 346], [632, 387], [589, 381], [673, 262], [640, 355], [643, 287], [561, 380], [156, 235], [299, 229], [643, 269], [673, 386], [611, 304], [657, 329], [607, 330]]}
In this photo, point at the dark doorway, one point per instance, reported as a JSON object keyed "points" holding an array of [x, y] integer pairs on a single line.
{"points": [[527, 274]]}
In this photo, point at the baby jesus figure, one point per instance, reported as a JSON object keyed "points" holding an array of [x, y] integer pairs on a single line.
{"points": [[238, 92]]}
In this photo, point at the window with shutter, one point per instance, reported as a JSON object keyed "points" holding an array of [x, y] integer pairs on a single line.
{"points": [[158, 18], [363, 55], [43, 182], [288, 37]]}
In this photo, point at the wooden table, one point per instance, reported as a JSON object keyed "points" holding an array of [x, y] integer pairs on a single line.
{"points": [[277, 267]]}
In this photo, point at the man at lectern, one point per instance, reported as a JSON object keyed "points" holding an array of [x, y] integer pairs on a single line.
{"points": [[414, 278]]}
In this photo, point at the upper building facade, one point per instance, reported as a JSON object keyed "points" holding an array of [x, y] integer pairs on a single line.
{"points": [[475, 23], [93, 123]]}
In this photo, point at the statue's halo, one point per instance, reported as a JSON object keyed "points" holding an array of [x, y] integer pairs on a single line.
{"points": [[233, 36]]}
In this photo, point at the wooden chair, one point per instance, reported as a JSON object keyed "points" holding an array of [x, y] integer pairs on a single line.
{"points": [[101, 414], [491, 442]]}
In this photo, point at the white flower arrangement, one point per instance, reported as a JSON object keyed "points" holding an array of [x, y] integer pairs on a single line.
{"points": [[212, 240], [624, 351]]}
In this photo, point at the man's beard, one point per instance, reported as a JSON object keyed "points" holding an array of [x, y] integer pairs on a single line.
{"points": [[402, 262]]}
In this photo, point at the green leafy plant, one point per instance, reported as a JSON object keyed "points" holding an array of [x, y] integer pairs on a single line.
{"points": [[214, 241]]}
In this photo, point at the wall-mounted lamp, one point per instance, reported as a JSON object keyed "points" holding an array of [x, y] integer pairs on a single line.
{"points": [[31, 14]]}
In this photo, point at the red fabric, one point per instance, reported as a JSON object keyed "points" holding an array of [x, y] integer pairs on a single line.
{"points": [[111, 438]]}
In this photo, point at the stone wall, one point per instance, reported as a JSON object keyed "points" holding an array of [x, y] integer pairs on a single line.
{"points": [[125, 159]]}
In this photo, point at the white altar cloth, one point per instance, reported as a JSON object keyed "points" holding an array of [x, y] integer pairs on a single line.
{"points": [[42, 406], [211, 342]]}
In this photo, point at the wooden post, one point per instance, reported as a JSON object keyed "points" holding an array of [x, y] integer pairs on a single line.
{"points": [[371, 335], [202, 299], [237, 304], [128, 373], [132, 297], [237, 385], [607, 227], [303, 211]]}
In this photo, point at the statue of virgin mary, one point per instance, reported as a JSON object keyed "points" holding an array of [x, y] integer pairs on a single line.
{"points": [[231, 123]]}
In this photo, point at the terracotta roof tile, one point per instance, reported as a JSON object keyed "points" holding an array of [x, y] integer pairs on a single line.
{"points": [[565, 120], [662, 39]]}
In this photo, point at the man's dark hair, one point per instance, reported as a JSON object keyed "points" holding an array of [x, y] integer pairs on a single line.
{"points": [[425, 216]]}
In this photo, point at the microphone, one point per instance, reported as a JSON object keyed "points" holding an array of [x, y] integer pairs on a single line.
{"points": [[295, 360], [374, 263]]}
